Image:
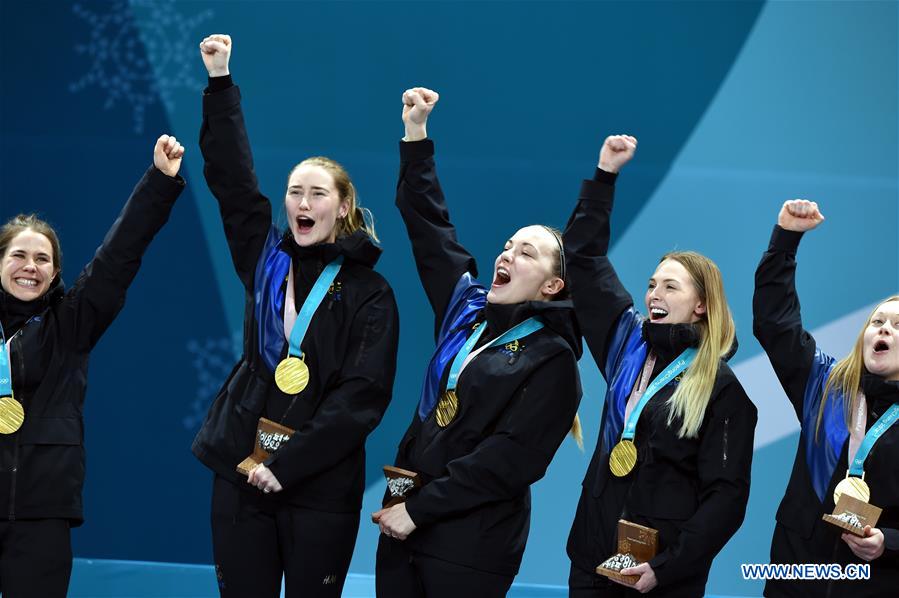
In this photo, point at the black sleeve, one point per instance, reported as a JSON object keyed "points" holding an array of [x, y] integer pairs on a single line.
{"points": [[891, 546], [354, 407], [599, 297], [246, 213], [503, 465], [776, 318], [724, 465], [439, 256], [99, 293]]}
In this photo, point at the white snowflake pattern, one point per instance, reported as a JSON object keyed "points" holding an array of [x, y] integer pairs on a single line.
{"points": [[140, 64], [213, 359]]}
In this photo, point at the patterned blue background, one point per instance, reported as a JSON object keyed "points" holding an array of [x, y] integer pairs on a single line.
{"points": [[737, 105]]}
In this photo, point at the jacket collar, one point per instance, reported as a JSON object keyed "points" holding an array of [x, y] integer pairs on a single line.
{"points": [[558, 316]]}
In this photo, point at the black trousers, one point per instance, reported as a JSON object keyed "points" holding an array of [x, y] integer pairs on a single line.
{"points": [[35, 558], [256, 539], [402, 573]]}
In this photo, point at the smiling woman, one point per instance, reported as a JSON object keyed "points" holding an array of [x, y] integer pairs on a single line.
{"points": [[31, 257], [320, 341], [499, 395], [675, 443], [46, 337], [847, 410]]}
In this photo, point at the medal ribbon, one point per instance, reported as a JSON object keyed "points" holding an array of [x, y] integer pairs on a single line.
{"points": [[856, 467], [5, 368], [680, 363], [523, 329], [313, 300]]}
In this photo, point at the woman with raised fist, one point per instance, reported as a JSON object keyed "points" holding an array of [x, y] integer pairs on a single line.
{"points": [[675, 440], [45, 343], [319, 356], [846, 408], [499, 395]]}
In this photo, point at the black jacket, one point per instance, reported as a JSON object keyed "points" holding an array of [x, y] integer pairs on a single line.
{"points": [[42, 464], [516, 402], [800, 535], [350, 346], [692, 490]]}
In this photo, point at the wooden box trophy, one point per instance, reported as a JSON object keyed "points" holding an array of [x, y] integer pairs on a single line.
{"points": [[636, 544], [269, 438], [400, 482], [852, 515]]}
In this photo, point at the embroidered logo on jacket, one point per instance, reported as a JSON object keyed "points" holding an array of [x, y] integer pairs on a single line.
{"points": [[336, 291]]}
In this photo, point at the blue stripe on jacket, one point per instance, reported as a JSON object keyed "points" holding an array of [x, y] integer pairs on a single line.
{"points": [[822, 456], [469, 297]]}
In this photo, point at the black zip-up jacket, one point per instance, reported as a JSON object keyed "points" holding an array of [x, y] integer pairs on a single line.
{"points": [[692, 490], [42, 464], [800, 535], [350, 346], [516, 402]]}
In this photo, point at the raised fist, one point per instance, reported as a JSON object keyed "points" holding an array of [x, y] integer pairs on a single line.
{"points": [[417, 105], [167, 155], [216, 51], [616, 152], [799, 215]]}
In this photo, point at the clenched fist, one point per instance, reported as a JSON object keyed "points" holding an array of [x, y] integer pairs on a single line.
{"points": [[616, 152], [216, 51], [167, 155], [417, 105], [799, 215]]}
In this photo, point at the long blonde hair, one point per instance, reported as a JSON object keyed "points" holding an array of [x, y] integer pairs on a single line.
{"points": [[846, 375], [357, 217], [716, 337]]}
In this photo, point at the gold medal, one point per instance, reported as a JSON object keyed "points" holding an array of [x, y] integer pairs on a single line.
{"points": [[623, 458], [292, 375], [11, 415], [446, 408], [854, 487]]}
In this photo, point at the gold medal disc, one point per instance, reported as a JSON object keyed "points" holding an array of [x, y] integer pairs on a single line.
{"points": [[854, 487], [446, 408], [623, 458], [292, 375], [11, 415]]}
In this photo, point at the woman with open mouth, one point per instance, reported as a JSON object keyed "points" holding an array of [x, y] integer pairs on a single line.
{"points": [[846, 410], [319, 357], [46, 338], [675, 441], [500, 393]]}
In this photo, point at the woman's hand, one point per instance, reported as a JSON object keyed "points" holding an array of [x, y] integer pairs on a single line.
{"points": [[799, 215], [216, 51], [167, 155], [647, 579], [868, 548], [394, 521], [617, 150], [263, 478], [417, 105]]}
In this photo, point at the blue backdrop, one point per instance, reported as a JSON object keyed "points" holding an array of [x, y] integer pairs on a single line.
{"points": [[737, 105]]}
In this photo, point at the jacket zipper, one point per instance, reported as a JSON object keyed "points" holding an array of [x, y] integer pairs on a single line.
{"points": [[15, 458], [724, 455]]}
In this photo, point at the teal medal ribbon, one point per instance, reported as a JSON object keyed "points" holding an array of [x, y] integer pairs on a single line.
{"points": [[12, 414], [292, 374], [854, 484], [448, 405], [623, 457]]}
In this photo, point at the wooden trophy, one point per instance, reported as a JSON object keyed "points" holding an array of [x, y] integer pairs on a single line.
{"points": [[269, 438], [638, 542], [400, 482], [852, 515]]}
